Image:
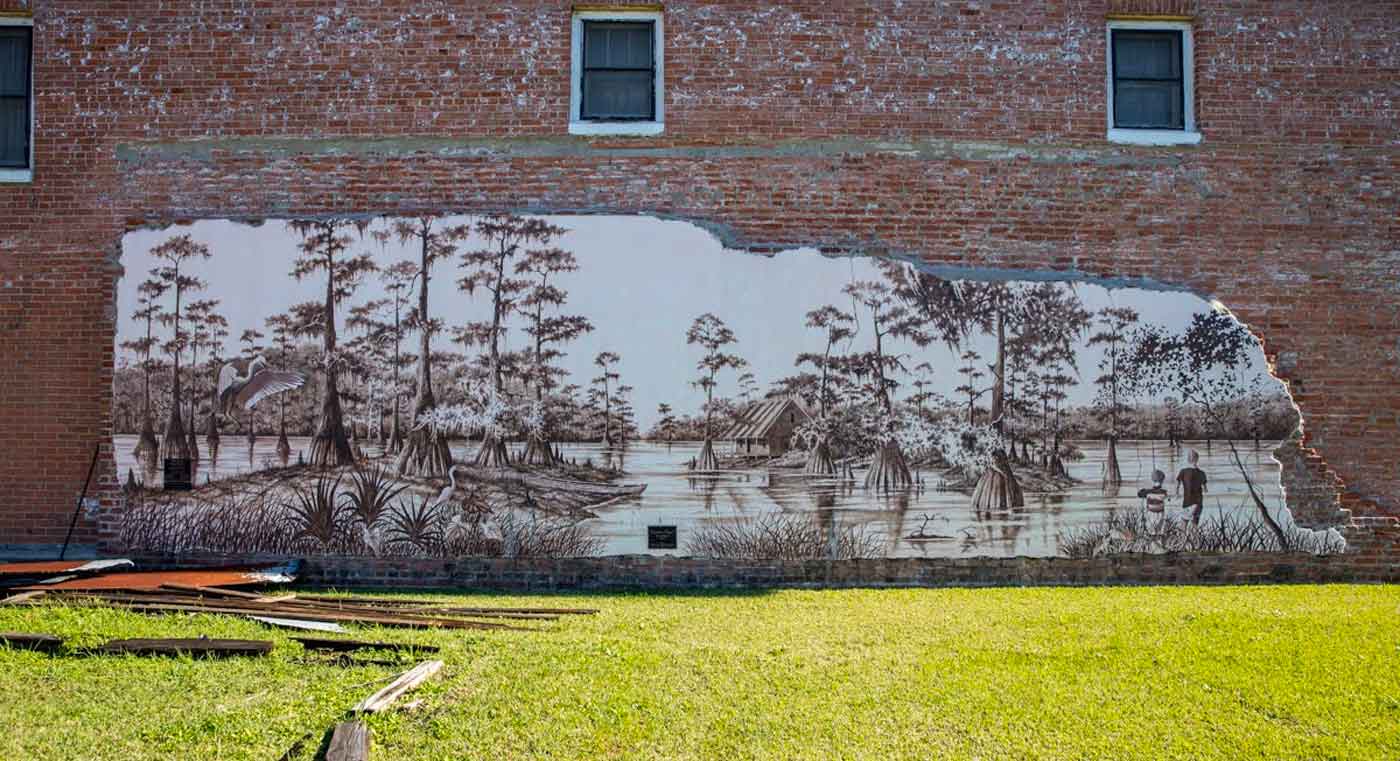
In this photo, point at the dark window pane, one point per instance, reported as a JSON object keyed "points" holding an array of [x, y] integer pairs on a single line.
{"points": [[617, 95], [618, 71], [14, 61], [1148, 105], [617, 46], [14, 132], [1148, 87], [1147, 55]]}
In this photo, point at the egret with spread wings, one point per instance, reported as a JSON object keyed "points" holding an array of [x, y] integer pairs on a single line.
{"points": [[245, 382]]}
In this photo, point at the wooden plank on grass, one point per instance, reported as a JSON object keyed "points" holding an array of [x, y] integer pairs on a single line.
{"points": [[346, 645], [244, 608], [349, 742], [46, 643], [291, 623], [406, 681], [23, 597], [214, 648], [195, 589]]}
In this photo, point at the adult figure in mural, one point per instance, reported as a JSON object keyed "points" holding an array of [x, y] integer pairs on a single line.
{"points": [[1191, 485], [425, 453]]}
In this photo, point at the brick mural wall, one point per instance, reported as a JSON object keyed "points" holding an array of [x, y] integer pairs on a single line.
{"points": [[967, 134]]}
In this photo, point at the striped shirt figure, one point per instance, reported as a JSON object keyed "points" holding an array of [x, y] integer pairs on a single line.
{"points": [[1156, 497]]}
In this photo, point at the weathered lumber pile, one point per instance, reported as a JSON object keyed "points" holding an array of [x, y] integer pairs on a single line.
{"points": [[112, 584]]}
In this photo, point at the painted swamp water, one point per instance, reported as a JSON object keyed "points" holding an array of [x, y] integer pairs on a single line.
{"points": [[676, 496]]}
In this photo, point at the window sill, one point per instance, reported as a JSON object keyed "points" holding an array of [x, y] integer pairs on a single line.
{"points": [[616, 128], [16, 175], [1153, 137]]}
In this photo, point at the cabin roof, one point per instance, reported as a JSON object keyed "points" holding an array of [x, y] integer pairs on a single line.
{"points": [[758, 419]]}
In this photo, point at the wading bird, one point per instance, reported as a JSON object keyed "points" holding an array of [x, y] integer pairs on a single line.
{"points": [[245, 382]]}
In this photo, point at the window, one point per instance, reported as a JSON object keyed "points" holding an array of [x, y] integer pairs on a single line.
{"points": [[616, 73], [16, 100], [1150, 98]]}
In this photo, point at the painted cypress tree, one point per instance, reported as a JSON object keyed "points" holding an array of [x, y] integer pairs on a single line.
{"points": [[177, 253], [1111, 332], [506, 238], [398, 284], [890, 319], [283, 330], [836, 327], [548, 331], [203, 321], [149, 311], [711, 334], [601, 392], [425, 452], [323, 248]]}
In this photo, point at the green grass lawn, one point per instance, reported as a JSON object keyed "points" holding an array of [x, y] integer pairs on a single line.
{"points": [[1185, 673]]}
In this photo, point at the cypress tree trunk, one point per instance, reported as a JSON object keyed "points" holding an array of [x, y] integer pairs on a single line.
{"points": [[888, 470], [707, 460], [493, 453], [538, 450], [819, 462], [330, 447], [997, 489], [425, 453], [1112, 474]]}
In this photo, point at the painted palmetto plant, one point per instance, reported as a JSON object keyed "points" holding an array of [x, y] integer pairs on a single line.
{"points": [[315, 516], [416, 525]]}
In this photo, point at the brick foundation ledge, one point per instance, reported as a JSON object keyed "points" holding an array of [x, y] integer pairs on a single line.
{"points": [[643, 572]]}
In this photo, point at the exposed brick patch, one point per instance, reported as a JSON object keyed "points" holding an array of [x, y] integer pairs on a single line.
{"points": [[1381, 564], [1152, 7]]}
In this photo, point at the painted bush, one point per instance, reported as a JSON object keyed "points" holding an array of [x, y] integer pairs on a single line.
{"points": [[553, 386]]}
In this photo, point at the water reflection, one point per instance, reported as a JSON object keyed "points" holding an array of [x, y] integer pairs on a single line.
{"points": [[902, 522]]}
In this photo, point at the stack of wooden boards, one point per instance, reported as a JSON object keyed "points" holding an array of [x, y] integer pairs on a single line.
{"points": [[111, 583], [115, 584]]}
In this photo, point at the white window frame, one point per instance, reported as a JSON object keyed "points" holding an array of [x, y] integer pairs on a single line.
{"points": [[577, 126], [11, 175], [1186, 136]]}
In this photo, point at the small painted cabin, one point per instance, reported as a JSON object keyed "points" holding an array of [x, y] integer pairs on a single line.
{"points": [[765, 428]]}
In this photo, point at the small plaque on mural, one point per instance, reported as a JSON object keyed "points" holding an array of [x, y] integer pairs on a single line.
{"points": [[661, 537], [179, 474]]}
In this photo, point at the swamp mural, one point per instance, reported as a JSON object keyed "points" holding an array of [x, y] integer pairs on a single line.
{"points": [[555, 386]]}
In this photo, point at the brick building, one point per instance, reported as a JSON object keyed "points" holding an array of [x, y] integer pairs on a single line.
{"points": [[1259, 169]]}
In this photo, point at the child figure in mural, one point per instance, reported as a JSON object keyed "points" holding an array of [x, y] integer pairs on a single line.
{"points": [[1191, 484], [1155, 498]]}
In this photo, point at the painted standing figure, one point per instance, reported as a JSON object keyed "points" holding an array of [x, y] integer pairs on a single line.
{"points": [[1191, 484], [1155, 498]]}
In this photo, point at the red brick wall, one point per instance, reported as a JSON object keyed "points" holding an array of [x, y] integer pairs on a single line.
{"points": [[967, 133]]}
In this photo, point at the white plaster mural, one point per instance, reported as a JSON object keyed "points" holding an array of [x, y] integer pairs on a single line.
{"points": [[588, 378]]}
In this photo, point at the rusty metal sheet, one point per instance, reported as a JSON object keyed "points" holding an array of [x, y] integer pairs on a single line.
{"points": [[152, 580], [54, 567]]}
